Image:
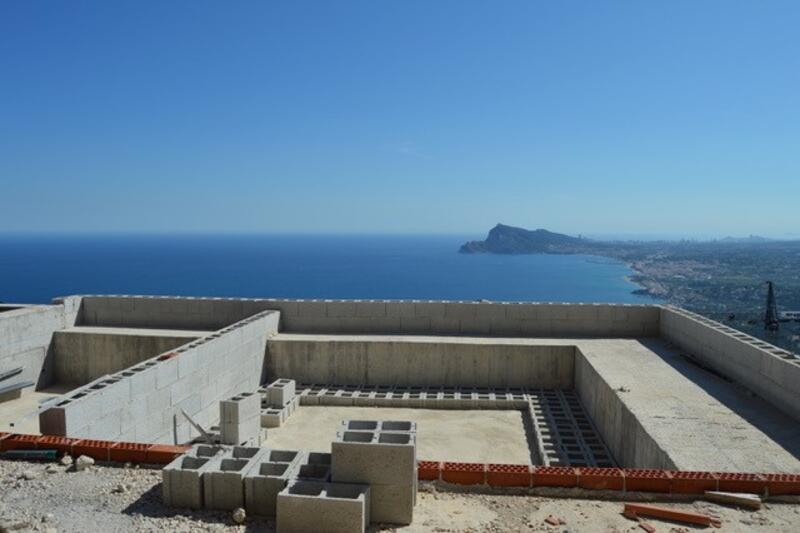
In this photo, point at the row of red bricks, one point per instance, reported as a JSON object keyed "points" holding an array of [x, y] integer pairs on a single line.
{"points": [[621, 479], [494, 475], [101, 450]]}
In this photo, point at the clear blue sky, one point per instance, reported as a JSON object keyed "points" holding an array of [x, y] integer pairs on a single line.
{"points": [[675, 117]]}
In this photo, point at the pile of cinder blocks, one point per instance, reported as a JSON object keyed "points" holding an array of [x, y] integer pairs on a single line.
{"points": [[209, 476], [278, 402], [240, 419], [370, 476], [381, 454]]}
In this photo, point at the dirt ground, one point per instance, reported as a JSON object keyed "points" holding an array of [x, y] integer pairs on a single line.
{"points": [[42, 497], [478, 436]]}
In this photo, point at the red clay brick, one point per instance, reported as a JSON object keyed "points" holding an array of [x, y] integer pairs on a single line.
{"points": [[741, 482], [778, 484], [54, 442], [161, 454], [464, 473], [19, 441], [554, 476], [647, 480], [133, 452], [691, 482], [96, 449], [601, 478], [500, 475], [429, 470]]}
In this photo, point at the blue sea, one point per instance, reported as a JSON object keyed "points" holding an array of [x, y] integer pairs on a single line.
{"points": [[34, 269]]}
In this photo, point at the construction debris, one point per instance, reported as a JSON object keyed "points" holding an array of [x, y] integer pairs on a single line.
{"points": [[751, 501], [635, 510]]}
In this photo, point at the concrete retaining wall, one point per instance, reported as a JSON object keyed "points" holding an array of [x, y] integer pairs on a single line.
{"points": [[80, 357], [622, 432], [770, 372], [25, 335], [397, 361], [143, 403], [379, 316]]}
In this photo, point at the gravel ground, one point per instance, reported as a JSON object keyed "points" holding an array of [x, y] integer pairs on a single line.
{"points": [[47, 497]]}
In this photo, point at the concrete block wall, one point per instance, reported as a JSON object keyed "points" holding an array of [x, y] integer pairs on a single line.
{"points": [[144, 403], [396, 361], [418, 317], [768, 371], [80, 357], [25, 339], [623, 434]]}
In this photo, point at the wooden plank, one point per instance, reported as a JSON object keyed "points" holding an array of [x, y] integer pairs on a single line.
{"points": [[751, 501]]}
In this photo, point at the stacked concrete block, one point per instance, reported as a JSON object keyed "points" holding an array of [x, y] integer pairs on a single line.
{"points": [[383, 458], [240, 419], [267, 478], [224, 478], [272, 417], [305, 506], [280, 392]]}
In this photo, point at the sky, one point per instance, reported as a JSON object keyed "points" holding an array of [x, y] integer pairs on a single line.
{"points": [[634, 118]]}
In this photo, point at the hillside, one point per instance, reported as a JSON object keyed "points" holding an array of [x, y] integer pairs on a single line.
{"points": [[504, 239]]}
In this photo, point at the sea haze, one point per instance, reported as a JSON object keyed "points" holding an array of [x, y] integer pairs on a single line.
{"points": [[34, 269]]}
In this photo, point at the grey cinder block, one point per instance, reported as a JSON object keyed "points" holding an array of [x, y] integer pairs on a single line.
{"points": [[182, 481], [265, 480], [365, 457], [280, 392], [223, 485], [385, 460], [332, 507]]}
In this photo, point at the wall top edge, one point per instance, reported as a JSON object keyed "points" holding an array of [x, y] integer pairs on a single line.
{"points": [[337, 300]]}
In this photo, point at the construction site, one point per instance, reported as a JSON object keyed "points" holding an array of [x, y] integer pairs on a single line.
{"points": [[160, 412]]}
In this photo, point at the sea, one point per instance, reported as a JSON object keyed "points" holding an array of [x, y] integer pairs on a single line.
{"points": [[37, 268]]}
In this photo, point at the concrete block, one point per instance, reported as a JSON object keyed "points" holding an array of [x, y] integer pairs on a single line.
{"points": [[223, 484], [280, 392], [398, 426], [272, 418], [374, 457], [208, 450], [364, 399], [286, 456], [263, 483], [182, 481], [246, 431], [239, 408], [402, 309], [332, 507], [392, 504]]}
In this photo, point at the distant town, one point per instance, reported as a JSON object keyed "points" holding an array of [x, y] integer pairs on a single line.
{"points": [[723, 279]]}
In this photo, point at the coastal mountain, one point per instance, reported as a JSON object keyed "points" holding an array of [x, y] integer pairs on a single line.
{"points": [[504, 239]]}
